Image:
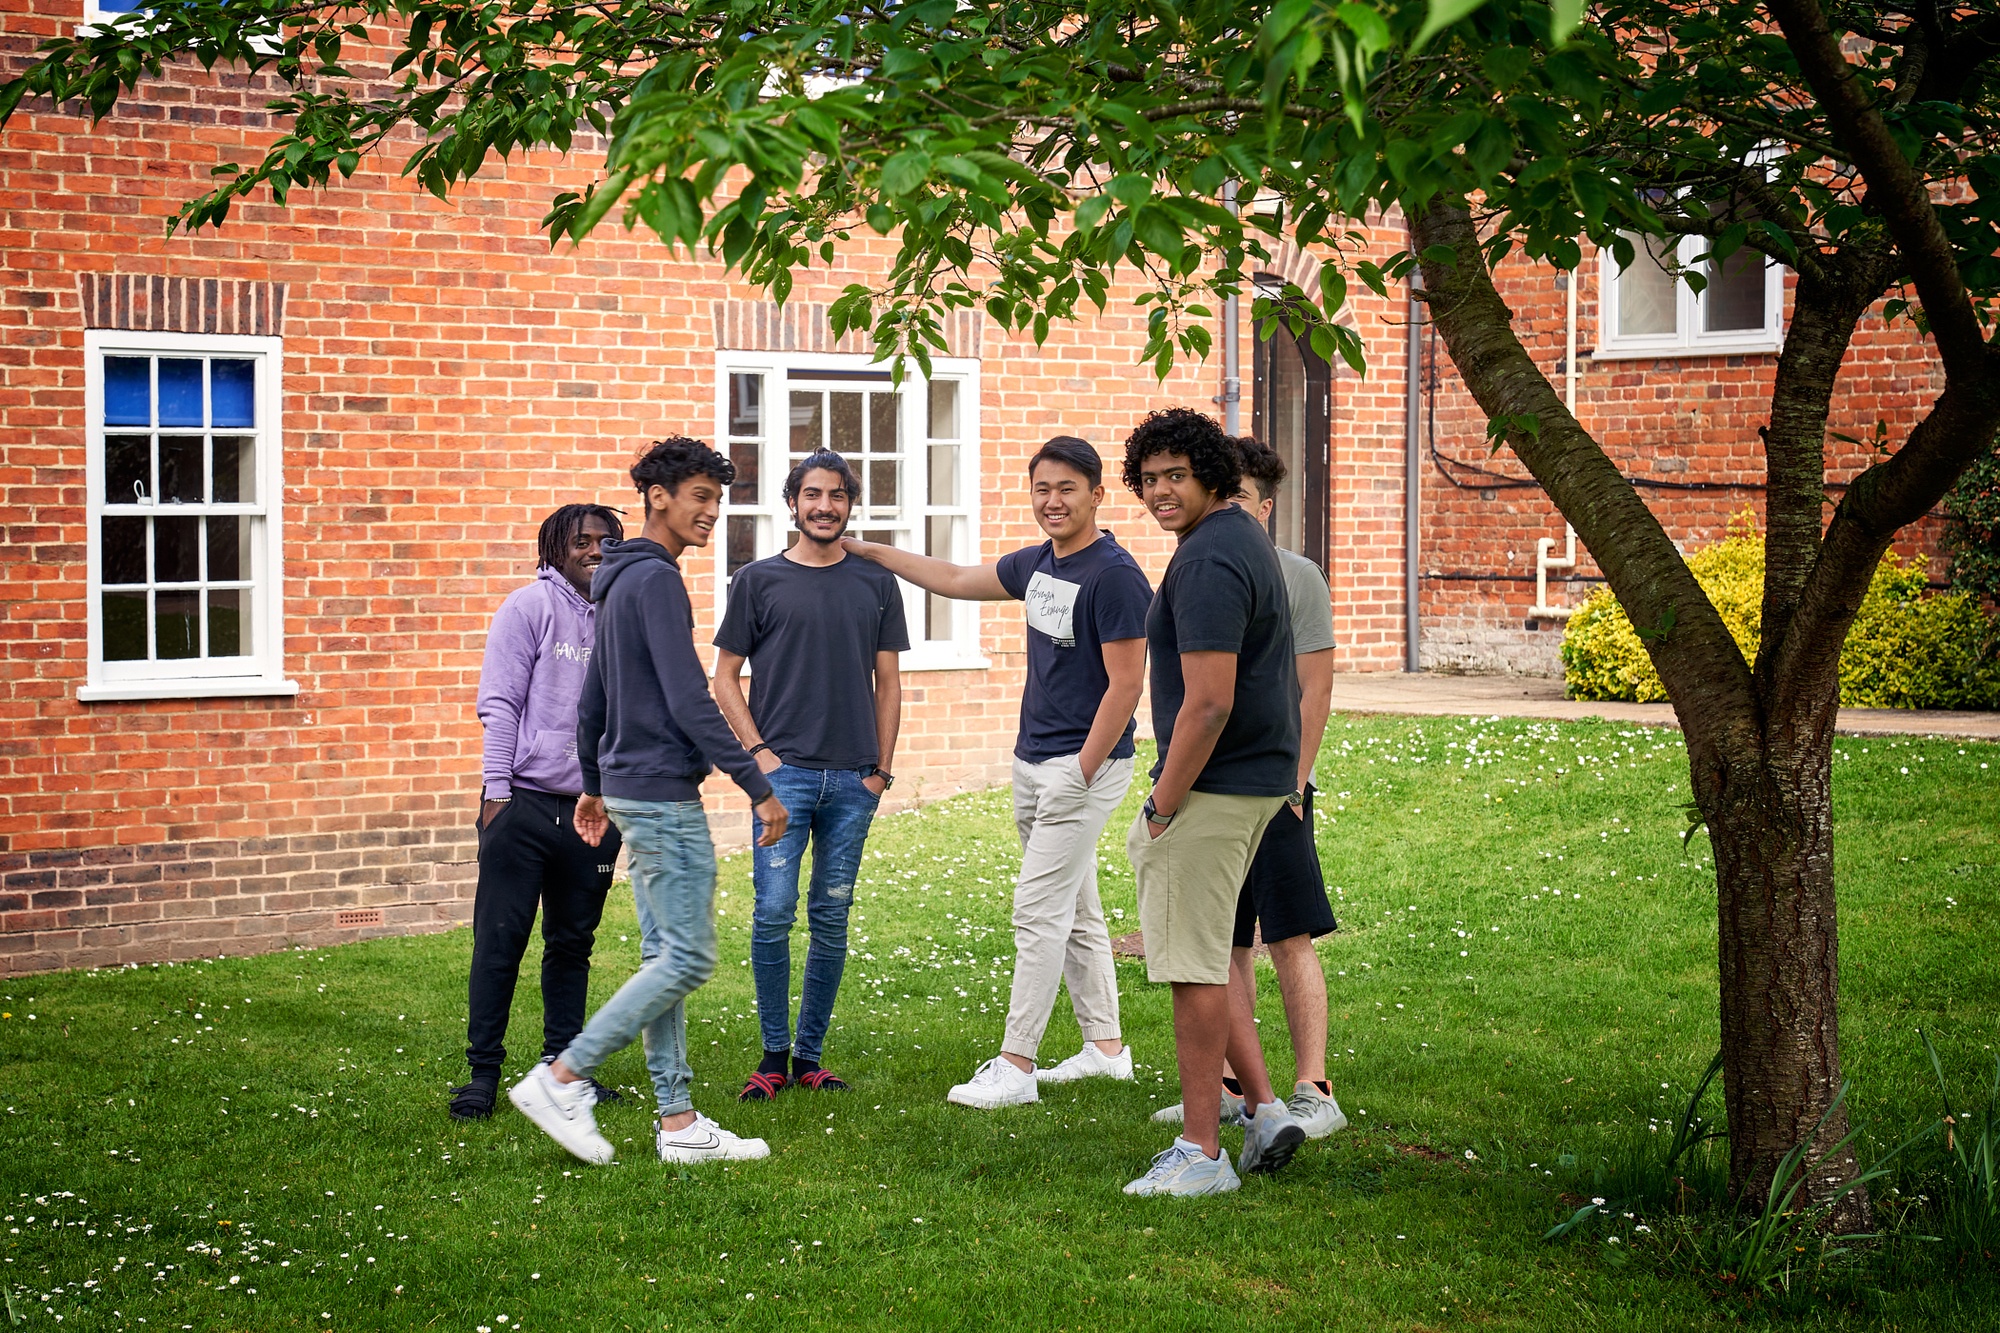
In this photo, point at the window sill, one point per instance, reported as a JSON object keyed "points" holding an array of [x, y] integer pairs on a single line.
{"points": [[223, 688], [1686, 351], [942, 659]]}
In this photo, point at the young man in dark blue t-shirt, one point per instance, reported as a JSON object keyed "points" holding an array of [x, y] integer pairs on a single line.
{"points": [[821, 632], [1086, 605], [1226, 718]]}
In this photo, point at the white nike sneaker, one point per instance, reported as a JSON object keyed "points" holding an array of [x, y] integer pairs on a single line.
{"points": [[997, 1083], [1318, 1113], [1089, 1063], [563, 1111], [1270, 1137], [1232, 1112], [706, 1141], [1185, 1170]]}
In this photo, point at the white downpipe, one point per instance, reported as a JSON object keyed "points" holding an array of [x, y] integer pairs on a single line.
{"points": [[1541, 610]]}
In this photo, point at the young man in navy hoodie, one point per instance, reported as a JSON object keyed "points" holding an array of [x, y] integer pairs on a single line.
{"points": [[647, 734], [529, 853]]}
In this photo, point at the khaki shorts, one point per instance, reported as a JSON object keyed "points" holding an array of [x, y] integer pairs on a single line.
{"points": [[1189, 878]]}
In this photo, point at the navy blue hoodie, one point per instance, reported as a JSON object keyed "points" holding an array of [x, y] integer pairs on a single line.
{"points": [[647, 728]]}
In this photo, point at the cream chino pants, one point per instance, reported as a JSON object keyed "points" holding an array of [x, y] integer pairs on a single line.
{"points": [[1059, 931]]}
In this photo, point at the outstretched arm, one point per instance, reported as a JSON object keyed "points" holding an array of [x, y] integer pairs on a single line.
{"points": [[967, 583]]}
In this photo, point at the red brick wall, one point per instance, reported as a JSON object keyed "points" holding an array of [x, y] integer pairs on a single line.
{"points": [[1678, 421], [448, 380]]}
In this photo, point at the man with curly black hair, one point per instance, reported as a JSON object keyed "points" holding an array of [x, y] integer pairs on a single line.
{"points": [[1226, 719], [647, 733]]}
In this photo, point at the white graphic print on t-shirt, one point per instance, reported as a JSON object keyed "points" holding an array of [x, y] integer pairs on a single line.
{"points": [[1051, 606]]}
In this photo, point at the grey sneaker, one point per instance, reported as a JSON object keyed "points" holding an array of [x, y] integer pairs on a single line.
{"points": [[1270, 1137], [1317, 1112], [563, 1111], [1185, 1170], [1232, 1112]]}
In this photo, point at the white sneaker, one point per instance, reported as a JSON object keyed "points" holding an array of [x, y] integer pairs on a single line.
{"points": [[1185, 1170], [998, 1082], [706, 1141], [1270, 1137], [1232, 1112], [1089, 1063], [563, 1111], [1318, 1113]]}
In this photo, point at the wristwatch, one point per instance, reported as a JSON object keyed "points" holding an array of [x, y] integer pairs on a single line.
{"points": [[1296, 799], [1154, 817], [877, 771]]}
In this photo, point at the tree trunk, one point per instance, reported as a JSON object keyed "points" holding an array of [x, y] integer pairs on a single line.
{"points": [[1770, 823]]}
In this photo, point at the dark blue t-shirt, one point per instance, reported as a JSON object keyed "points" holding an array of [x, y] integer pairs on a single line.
{"points": [[1224, 593], [811, 633], [1075, 606]]}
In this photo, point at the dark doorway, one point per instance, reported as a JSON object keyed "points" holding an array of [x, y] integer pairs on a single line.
{"points": [[1292, 411]]}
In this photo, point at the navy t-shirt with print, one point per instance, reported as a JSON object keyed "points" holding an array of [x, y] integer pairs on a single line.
{"points": [[1075, 605], [811, 633], [1224, 593]]}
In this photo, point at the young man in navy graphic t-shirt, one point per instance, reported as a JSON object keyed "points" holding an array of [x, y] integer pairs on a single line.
{"points": [[1086, 603]]}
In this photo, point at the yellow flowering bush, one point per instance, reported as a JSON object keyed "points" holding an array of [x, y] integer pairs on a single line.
{"points": [[1909, 648]]}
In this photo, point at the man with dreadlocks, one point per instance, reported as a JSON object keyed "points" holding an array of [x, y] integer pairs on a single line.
{"points": [[529, 851]]}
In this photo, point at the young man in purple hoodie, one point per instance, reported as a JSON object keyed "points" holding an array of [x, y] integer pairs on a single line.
{"points": [[529, 851]]}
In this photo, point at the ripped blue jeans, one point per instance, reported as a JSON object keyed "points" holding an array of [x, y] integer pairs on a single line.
{"points": [[832, 808]]}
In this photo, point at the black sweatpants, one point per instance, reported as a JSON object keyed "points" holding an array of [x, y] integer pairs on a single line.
{"points": [[531, 854]]}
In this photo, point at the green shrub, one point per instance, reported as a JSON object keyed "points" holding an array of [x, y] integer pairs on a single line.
{"points": [[1908, 648], [1971, 533]]}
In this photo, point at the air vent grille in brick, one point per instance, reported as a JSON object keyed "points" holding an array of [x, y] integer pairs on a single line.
{"points": [[359, 916]]}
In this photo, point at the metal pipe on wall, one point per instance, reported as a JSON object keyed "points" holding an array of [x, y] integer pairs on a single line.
{"points": [[1412, 476], [1232, 377]]}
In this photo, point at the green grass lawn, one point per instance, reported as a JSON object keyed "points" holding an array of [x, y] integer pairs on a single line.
{"points": [[1523, 990]]}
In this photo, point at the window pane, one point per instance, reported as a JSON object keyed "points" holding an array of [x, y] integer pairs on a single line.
{"points": [[180, 469], [743, 453], [232, 388], [124, 556], [176, 550], [882, 416], [742, 539], [125, 621], [944, 474], [229, 549], [846, 415], [180, 392], [1646, 292], [1284, 426], [128, 469], [128, 391], [944, 409], [176, 625], [1734, 298], [938, 533], [235, 470], [882, 483], [229, 622], [746, 404], [807, 413]]}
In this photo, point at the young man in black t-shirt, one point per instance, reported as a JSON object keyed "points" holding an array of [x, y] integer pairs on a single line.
{"points": [[821, 631], [1086, 619], [1225, 713]]}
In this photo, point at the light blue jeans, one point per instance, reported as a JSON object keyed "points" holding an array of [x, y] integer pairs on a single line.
{"points": [[672, 861]]}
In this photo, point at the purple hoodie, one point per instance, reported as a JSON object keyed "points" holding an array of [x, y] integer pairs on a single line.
{"points": [[536, 653]]}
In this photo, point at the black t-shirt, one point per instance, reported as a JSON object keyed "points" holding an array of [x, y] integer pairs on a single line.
{"points": [[1075, 605], [811, 634], [1224, 593]]}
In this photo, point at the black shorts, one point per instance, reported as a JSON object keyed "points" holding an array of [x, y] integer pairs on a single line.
{"points": [[1285, 892]]}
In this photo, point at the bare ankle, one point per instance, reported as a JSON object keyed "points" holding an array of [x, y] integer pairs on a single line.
{"points": [[1110, 1047], [678, 1121], [563, 1073], [1020, 1062]]}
